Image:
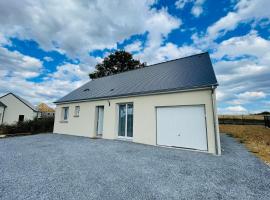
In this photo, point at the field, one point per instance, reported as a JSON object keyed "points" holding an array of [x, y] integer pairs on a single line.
{"points": [[242, 119], [256, 138], [255, 117]]}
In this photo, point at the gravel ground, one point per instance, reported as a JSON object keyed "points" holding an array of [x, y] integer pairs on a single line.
{"points": [[51, 166]]}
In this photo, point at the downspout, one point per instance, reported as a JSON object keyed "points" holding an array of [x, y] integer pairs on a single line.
{"points": [[215, 118], [3, 115]]}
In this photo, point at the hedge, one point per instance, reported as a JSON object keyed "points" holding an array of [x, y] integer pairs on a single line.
{"points": [[30, 126]]}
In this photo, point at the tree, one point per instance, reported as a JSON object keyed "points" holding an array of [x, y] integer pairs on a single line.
{"points": [[116, 62]]}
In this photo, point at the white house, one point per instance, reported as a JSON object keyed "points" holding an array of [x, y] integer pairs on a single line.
{"points": [[169, 104], [14, 108]]}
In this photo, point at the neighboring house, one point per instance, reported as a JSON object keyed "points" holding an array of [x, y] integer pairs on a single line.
{"points": [[168, 104], [14, 108], [45, 111]]}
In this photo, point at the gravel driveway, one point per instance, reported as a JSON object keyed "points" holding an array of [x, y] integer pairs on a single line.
{"points": [[51, 166]]}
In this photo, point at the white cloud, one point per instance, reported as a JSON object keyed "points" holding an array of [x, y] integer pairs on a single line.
{"points": [[247, 97], [235, 110], [16, 69], [220, 95], [159, 25], [167, 52], [180, 4], [67, 78], [197, 8], [69, 72], [13, 63], [134, 47], [251, 44], [244, 11], [242, 66], [48, 59], [77, 27], [252, 95], [3, 39], [246, 67], [248, 58], [197, 11]]}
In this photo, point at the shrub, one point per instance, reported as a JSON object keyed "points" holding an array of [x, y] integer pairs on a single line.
{"points": [[30, 126]]}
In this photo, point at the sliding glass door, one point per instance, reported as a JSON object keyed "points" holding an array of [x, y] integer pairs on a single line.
{"points": [[125, 127]]}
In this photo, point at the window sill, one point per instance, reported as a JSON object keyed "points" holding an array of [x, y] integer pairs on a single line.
{"points": [[130, 139], [76, 116], [64, 121]]}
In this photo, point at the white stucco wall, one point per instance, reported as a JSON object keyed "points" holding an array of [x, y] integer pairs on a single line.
{"points": [[15, 108], [144, 124]]}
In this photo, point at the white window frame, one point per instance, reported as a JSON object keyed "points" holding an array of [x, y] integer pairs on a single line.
{"points": [[77, 111]]}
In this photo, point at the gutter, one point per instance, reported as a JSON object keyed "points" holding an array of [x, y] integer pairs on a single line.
{"points": [[207, 87], [215, 119]]}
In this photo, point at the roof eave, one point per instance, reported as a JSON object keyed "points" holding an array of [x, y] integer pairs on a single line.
{"points": [[2, 105], [204, 87]]}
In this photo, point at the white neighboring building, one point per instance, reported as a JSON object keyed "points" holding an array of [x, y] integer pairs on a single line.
{"points": [[14, 108]]}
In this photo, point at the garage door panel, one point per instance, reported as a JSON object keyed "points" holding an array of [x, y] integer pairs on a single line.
{"points": [[182, 126]]}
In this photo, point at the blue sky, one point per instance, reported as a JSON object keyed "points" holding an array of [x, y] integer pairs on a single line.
{"points": [[48, 49]]}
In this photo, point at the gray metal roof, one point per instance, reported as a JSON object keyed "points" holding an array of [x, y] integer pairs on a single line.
{"points": [[185, 73], [27, 103]]}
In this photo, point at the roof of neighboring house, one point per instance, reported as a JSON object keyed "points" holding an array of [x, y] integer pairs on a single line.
{"points": [[44, 108], [27, 103], [2, 104], [184, 73]]}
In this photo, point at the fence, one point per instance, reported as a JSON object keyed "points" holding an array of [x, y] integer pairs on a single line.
{"points": [[244, 119]]}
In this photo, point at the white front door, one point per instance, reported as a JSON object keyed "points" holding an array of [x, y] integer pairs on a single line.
{"points": [[100, 116], [182, 126]]}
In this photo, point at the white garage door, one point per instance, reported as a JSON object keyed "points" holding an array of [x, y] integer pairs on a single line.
{"points": [[182, 126]]}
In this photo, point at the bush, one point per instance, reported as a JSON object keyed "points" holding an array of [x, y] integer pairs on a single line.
{"points": [[29, 126]]}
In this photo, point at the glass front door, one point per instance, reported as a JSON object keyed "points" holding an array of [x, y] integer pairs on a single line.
{"points": [[125, 127], [100, 116]]}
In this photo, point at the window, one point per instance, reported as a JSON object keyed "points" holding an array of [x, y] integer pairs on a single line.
{"points": [[100, 116], [125, 126], [65, 113], [21, 118], [77, 111]]}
